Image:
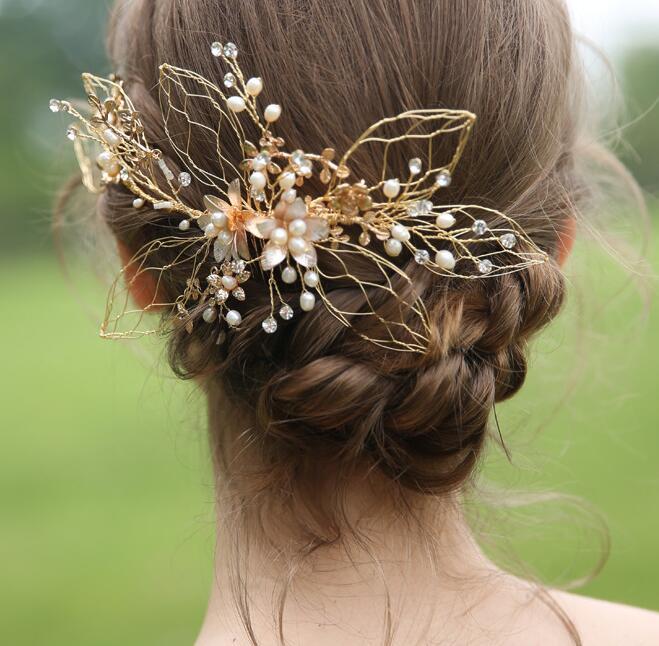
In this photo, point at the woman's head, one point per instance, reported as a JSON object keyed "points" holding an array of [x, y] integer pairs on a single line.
{"points": [[317, 402]]}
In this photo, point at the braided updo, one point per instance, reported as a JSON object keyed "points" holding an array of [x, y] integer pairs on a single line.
{"points": [[316, 395]]}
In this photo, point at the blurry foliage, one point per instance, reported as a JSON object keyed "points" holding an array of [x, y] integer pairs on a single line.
{"points": [[46, 46], [640, 85]]}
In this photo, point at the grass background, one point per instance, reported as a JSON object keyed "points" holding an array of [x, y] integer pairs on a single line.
{"points": [[107, 525]]}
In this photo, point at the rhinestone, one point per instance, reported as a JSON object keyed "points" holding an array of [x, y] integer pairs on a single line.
{"points": [[414, 209], [269, 325], [364, 239], [421, 256], [72, 133], [263, 158], [485, 266], [229, 80], [244, 276], [55, 105], [185, 179], [230, 50], [238, 294], [297, 157], [286, 312], [479, 227], [216, 49], [221, 295], [238, 266], [258, 195], [443, 179], [123, 175], [425, 207], [415, 166], [213, 279], [508, 240]]}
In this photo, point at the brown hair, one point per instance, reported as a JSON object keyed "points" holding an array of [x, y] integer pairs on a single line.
{"points": [[316, 400]]}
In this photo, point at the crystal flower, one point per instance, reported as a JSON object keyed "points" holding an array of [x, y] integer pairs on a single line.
{"points": [[227, 222], [291, 231]]}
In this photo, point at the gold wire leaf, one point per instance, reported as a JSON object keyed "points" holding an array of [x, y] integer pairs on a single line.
{"points": [[391, 313], [189, 103], [436, 137]]}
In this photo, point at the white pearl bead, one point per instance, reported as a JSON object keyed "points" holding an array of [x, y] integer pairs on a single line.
{"points": [[257, 180], [219, 219], [297, 245], [279, 236], [111, 137], [184, 225], [287, 180], [233, 318], [391, 188], [104, 158], [210, 230], [258, 163], [289, 196], [445, 220], [307, 301], [400, 232], [445, 259], [229, 282], [225, 237], [210, 314], [289, 275], [108, 162], [138, 203], [311, 278], [297, 227], [272, 113], [393, 247], [254, 86], [236, 103]]}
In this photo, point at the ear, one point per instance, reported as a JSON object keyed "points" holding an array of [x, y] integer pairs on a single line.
{"points": [[141, 285], [566, 237]]}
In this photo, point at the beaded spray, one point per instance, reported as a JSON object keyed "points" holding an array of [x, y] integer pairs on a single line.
{"points": [[257, 217]]}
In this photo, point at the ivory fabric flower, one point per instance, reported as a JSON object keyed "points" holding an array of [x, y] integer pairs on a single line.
{"points": [[227, 222], [289, 231]]}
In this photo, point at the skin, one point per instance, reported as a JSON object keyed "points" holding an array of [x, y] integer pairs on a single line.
{"points": [[464, 599]]}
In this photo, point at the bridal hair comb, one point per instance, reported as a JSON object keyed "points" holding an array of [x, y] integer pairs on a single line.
{"points": [[258, 217]]}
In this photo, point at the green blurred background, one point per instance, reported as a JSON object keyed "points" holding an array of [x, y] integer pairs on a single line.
{"points": [[106, 517]]}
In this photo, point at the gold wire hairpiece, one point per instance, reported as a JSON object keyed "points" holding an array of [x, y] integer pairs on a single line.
{"points": [[257, 216]]}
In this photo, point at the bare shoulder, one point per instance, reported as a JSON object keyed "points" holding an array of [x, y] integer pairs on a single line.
{"points": [[603, 623]]}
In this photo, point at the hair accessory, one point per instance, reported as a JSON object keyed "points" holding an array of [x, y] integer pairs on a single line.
{"points": [[303, 219]]}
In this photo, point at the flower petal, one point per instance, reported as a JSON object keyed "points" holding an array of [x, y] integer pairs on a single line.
{"points": [[317, 229], [214, 204], [309, 258], [233, 193], [241, 245], [273, 255], [261, 226], [221, 250], [204, 220]]}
